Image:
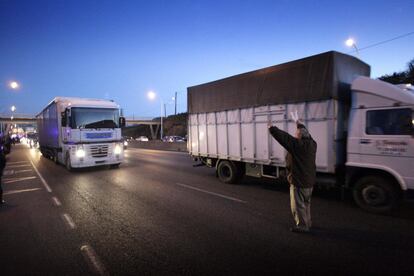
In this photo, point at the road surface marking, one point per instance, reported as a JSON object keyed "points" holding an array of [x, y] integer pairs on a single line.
{"points": [[18, 166], [12, 180], [56, 201], [17, 162], [22, 171], [21, 191], [93, 260], [8, 172], [69, 221], [211, 193], [41, 178], [11, 172]]}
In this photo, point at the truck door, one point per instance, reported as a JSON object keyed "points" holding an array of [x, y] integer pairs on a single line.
{"points": [[388, 139]]}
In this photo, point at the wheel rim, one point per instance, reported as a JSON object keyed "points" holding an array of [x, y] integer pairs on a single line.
{"points": [[374, 195]]}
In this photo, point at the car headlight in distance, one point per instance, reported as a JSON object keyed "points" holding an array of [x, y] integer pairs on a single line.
{"points": [[125, 143], [117, 149], [80, 153]]}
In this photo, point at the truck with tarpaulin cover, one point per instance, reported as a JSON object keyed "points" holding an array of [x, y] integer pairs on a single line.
{"points": [[363, 127], [80, 132]]}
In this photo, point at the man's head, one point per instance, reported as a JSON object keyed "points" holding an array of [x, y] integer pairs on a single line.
{"points": [[302, 132]]}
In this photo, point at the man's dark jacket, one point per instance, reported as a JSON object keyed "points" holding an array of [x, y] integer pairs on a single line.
{"points": [[300, 161], [2, 160]]}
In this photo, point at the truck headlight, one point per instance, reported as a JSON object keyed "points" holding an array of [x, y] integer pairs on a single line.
{"points": [[80, 153], [125, 143], [118, 149]]}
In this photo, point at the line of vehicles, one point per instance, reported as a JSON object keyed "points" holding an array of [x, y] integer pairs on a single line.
{"points": [[364, 127]]}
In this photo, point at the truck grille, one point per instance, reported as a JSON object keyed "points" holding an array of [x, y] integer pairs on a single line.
{"points": [[99, 151]]}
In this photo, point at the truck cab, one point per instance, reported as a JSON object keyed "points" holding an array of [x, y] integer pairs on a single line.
{"points": [[380, 146], [80, 132]]}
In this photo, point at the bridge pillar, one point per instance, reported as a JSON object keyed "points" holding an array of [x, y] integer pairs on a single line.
{"points": [[154, 134]]}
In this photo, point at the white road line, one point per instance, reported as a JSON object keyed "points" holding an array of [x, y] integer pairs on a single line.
{"points": [[69, 221], [12, 180], [20, 191], [17, 162], [56, 201], [93, 260], [211, 193], [22, 171], [11, 172], [8, 172], [41, 178], [17, 166]]}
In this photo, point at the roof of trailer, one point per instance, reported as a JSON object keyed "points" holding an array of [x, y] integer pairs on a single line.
{"points": [[319, 77]]}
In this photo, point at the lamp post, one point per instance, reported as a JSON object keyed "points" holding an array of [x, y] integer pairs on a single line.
{"points": [[350, 42]]}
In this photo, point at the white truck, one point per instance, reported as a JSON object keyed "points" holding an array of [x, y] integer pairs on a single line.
{"points": [[363, 127], [80, 132]]}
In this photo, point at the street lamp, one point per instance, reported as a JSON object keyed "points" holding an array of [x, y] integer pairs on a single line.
{"points": [[350, 42], [151, 95], [13, 108], [14, 85]]}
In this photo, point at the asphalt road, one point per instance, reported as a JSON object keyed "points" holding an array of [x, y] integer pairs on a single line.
{"points": [[159, 215]]}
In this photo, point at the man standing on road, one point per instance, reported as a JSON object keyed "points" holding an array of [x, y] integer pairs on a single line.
{"points": [[2, 165], [301, 168]]}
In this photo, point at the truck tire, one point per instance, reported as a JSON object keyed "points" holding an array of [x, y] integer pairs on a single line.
{"points": [[68, 162], [375, 194], [228, 172]]}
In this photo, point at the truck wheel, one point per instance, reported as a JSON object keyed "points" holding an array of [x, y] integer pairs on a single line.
{"points": [[115, 166], [68, 162], [228, 172], [374, 194]]}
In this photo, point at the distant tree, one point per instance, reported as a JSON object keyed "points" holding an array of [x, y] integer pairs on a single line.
{"points": [[401, 77], [410, 72], [395, 78]]}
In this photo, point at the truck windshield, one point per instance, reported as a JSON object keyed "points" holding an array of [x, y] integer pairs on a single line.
{"points": [[82, 117]]}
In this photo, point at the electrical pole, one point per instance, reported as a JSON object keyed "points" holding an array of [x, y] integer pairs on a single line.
{"points": [[175, 101]]}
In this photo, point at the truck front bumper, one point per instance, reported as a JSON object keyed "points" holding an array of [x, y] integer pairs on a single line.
{"points": [[96, 155]]}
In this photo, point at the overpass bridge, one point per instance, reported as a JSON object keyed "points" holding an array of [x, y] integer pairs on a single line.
{"points": [[30, 119]]}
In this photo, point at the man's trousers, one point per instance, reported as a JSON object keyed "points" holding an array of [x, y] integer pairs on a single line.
{"points": [[300, 203]]}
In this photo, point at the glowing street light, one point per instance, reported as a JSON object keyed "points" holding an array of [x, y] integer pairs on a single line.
{"points": [[151, 95], [350, 42], [13, 108], [14, 85]]}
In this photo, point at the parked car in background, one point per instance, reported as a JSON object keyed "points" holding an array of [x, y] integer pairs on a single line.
{"points": [[174, 138], [142, 139]]}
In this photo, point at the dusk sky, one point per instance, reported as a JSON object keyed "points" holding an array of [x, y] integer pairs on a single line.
{"points": [[122, 49]]}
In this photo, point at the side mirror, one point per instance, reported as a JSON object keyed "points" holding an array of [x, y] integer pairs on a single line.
{"points": [[122, 122], [63, 119]]}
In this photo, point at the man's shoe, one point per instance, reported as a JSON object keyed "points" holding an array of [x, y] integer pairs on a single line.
{"points": [[296, 229]]}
